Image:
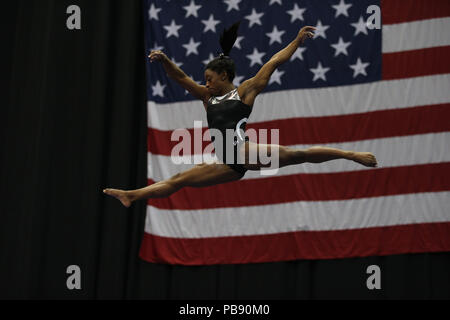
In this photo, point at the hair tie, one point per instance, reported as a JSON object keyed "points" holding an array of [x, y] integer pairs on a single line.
{"points": [[222, 56]]}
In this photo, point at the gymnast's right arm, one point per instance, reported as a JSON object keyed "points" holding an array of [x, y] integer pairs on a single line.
{"points": [[175, 73]]}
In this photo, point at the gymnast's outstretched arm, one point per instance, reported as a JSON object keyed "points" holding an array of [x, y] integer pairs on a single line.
{"points": [[174, 72], [250, 88]]}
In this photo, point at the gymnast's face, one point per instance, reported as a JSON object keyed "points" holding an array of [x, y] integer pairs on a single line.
{"points": [[215, 82]]}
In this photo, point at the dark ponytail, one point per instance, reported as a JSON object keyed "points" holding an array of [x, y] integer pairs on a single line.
{"points": [[228, 38], [224, 62]]}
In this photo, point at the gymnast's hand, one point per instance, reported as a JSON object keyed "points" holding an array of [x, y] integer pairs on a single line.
{"points": [[157, 55], [305, 33]]}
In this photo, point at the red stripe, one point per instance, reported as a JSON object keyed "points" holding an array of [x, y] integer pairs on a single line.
{"points": [[312, 187], [332, 129], [398, 11], [416, 63], [413, 238], [361, 126], [160, 142]]}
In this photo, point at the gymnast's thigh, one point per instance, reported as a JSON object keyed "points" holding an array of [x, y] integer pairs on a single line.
{"points": [[207, 174], [252, 153]]}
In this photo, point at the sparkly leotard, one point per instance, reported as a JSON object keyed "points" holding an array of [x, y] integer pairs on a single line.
{"points": [[228, 112]]}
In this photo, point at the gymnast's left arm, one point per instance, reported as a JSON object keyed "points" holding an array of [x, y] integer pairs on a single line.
{"points": [[250, 88]]}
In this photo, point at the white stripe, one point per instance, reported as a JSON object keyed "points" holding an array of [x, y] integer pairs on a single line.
{"points": [[297, 216], [416, 35], [390, 152], [382, 95]]}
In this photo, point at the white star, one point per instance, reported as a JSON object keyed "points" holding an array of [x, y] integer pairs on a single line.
{"points": [[275, 35], [298, 54], [360, 26], [210, 24], [296, 13], [237, 80], [192, 9], [319, 72], [211, 57], [158, 89], [276, 77], [275, 1], [156, 47], [191, 47], [153, 12], [320, 30], [254, 18], [341, 8], [232, 4], [255, 57], [237, 44], [341, 47], [172, 29], [359, 68]]}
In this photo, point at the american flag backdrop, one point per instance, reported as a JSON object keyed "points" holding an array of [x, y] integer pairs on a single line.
{"points": [[352, 87]]}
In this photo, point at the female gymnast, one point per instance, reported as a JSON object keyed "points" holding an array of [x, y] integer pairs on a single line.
{"points": [[226, 106]]}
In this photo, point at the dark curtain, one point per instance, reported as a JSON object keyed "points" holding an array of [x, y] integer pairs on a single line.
{"points": [[74, 122]]}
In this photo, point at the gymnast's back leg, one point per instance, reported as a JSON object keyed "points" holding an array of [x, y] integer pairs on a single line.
{"points": [[202, 175], [291, 156]]}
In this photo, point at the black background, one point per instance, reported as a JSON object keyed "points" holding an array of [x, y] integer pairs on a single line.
{"points": [[74, 121]]}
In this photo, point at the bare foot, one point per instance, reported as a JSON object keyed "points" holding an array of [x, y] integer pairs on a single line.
{"points": [[365, 158], [121, 195]]}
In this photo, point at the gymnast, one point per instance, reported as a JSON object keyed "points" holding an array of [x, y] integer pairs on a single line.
{"points": [[228, 107]]}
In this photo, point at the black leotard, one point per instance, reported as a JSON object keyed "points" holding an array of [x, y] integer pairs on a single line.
{"points": [[228, 112]]}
